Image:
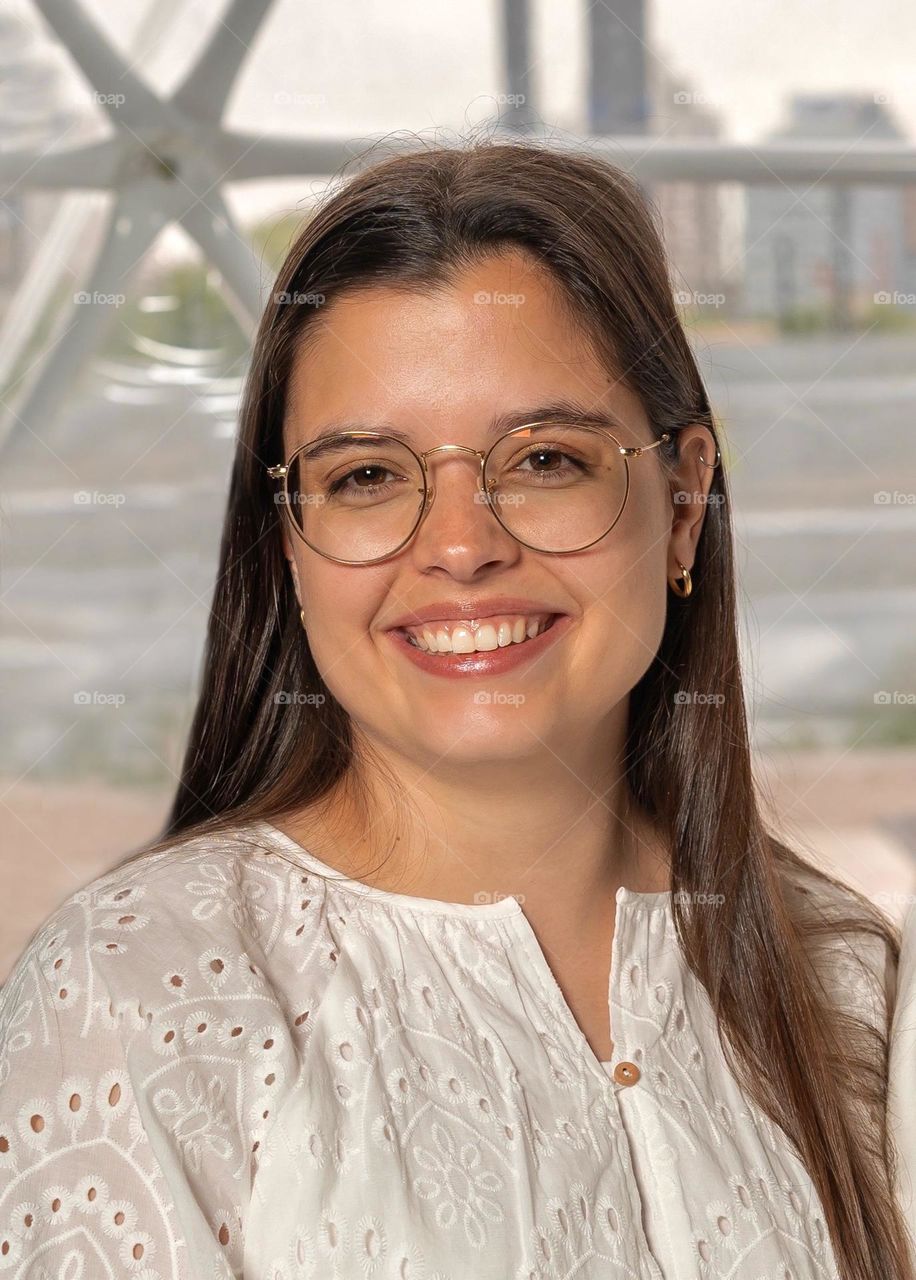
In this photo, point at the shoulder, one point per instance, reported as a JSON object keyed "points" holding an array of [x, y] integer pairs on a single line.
{"points": [[158, 911], [184, 922], [148, 1034], [210, 919]]}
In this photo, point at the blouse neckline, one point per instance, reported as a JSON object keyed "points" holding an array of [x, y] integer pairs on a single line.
{"points": [[501, 908]]}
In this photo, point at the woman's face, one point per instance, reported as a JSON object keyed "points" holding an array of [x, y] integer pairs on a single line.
{"points": [[440, 367]]}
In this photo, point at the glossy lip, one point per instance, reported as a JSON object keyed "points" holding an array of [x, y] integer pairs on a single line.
{"points": [[462, 610], [491, 662]]}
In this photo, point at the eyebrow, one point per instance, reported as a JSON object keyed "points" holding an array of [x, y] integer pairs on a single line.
{"points": [[566, 411]]}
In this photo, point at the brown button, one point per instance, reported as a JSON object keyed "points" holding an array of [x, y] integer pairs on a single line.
{"points": [[626, 1073]]}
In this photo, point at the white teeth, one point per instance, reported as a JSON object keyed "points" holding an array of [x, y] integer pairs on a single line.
{"points": [[463, 637]]}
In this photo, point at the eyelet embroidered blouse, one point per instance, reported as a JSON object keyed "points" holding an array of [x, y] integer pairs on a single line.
{"points": [[214, 1064]]}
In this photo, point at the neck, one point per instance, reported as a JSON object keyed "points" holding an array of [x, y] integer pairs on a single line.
{"points": [[561, 839]]}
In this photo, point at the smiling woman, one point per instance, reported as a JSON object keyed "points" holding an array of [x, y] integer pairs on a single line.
{"points": [[475, 612]]}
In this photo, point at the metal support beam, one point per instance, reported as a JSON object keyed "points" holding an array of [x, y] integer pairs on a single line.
{"points": [[618, 93]]}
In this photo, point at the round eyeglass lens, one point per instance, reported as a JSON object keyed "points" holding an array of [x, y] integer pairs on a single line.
{"points": [[355, 499], [557, 487], [553, 487]]}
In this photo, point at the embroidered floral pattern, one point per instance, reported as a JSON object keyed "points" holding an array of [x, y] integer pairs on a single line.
{"points": [[459, 1186], [215, 1064]]}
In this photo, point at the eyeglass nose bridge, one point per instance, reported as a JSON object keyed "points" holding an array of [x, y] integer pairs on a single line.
{"points": [[455, 448]]}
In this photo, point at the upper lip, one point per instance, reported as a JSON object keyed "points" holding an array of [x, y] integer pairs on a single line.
{"points": [[455, 610]]}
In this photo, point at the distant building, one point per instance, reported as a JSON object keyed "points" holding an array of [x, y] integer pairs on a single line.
{"points": [[618, 97], [832, 249], [691, 211]]}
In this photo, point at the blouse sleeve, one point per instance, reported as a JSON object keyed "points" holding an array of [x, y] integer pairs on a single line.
{"points": [[902, 1074], [82, 1192]]}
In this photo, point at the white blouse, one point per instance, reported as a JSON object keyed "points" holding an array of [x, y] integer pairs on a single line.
{"points": [[214, 1064]]}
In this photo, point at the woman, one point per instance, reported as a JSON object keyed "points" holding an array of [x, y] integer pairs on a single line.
{"points": [[465, 951]]}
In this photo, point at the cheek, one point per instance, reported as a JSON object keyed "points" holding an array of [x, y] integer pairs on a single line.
{"points": [[339, 607], [625, 613], [638, 544], [625, 628]]}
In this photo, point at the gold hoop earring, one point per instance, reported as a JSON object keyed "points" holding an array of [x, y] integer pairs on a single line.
{"points": [[302, 617], [712, 465], [684, 585]]}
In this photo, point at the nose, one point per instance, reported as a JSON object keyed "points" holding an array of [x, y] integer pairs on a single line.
{"points": [[458, 532]]}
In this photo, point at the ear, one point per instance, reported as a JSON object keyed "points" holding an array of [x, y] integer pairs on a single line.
{"points": [[690, 492], [291, 560]]}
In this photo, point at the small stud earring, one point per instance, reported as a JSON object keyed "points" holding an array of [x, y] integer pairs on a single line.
{"points": [[684, 585], [302, 617]]}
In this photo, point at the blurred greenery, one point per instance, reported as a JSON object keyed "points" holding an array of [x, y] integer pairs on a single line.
{"points": [[273, 238], [819, 319], [806, 319], [890, 319], [197, 316]]}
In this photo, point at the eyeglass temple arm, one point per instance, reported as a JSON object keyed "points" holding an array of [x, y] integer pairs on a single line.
{"points": [[635, 451]]}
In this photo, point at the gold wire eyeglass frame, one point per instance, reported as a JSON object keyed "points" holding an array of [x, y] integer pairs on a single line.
{"points": [[281, 472]]}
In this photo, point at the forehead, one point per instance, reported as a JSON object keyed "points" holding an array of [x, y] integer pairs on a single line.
{"points": [[497, 339]]}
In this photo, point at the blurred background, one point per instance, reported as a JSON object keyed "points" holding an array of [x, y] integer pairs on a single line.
{"points": [[156, 159]]}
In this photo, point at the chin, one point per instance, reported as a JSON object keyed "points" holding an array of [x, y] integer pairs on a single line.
{"points": [[502, 734]]}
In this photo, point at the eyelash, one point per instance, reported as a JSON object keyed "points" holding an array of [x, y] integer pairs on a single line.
{"points": [[338, 485]]}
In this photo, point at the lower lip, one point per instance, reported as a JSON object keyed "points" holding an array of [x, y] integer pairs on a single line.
{"points": [[489, 662]]}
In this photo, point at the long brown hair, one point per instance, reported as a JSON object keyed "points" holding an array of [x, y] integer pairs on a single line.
{"points": [[413, 220]]}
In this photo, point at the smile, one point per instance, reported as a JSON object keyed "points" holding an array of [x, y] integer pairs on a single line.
{"points": [[478, 636], [483, 647]]}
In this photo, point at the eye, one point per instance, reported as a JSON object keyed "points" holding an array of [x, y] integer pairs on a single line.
{"points": [[550, 461], [364, 473]]}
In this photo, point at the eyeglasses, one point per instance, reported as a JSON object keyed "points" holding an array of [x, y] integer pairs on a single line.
{"points": [[358, 497]]}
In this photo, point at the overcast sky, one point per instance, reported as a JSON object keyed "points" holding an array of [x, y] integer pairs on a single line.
{"points": [[358, 67], [384, 64]]}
